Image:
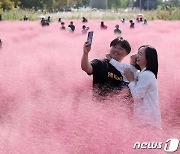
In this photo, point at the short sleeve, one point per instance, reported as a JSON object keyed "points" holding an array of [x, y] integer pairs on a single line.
{"points": [[95, 65]]}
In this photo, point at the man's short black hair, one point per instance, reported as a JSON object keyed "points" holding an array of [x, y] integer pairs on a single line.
{"points": [[124, 43]]}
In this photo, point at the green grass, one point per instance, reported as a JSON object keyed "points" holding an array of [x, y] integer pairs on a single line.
{"points": [[171, 14], [18, 14]]}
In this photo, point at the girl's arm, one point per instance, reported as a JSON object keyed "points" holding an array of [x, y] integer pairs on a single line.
{"points": [[121, 67]]}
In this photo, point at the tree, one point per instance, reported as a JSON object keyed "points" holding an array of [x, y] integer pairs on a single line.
{"points": [[85, 2], [6, 5], [36, 4], [16, 3], [175, 2], [118, 3]]}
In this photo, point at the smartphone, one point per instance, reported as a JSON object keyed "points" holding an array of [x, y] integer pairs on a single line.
{"points": [[90, 37]]}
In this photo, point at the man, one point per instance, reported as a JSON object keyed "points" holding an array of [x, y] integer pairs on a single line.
{"points": [[71, 26], [105, 76]]}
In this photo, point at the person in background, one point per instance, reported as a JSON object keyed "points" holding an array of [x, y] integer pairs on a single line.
{"points": [[62, 26], [84, 29], [117, 30], [141, 19], [49, 19], [25, 18], [44, 22], [145, 22], [71, 27], [123, 20], [131, 24], [102, 25], [59, 20], [84, 19]]}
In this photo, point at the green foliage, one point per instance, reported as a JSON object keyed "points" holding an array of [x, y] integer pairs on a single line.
{"points": [[50, 5], [16, 9], [18, 14], [6, 5], [159, 2], [40, 4], [118, 3]]}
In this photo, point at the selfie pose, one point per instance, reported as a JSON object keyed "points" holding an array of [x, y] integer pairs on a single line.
{"points": [[106, 76]]}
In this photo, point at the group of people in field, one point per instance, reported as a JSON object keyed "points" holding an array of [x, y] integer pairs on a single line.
{"points": [[85, 28], [110, 76]]}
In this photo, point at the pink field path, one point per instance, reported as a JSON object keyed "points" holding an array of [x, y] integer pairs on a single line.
{"points": [[46, 104]]}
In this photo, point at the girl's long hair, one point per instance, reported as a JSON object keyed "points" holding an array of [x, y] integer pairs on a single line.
{"points": [[152, 59]]}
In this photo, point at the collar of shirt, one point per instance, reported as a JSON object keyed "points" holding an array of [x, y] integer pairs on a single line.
{"points": [[143, 69]]}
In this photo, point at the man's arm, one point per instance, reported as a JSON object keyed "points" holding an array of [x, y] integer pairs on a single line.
{"points": [[85, 64]]}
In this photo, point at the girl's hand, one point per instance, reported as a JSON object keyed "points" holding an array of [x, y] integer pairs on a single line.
{"points": [[133, 59], [108, 56], [129, 75]]}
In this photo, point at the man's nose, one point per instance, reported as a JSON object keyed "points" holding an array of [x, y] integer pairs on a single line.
{"points": [[116, 50]]}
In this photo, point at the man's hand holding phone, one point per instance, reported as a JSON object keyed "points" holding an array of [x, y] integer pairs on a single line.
{"points": [[87, 47], [90, 37], [88, 43]]}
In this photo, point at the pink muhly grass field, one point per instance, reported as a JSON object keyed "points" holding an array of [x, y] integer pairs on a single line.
{"points": [[46, 104]]}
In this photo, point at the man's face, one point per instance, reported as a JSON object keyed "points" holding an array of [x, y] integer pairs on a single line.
{"points": [[117, 52]]}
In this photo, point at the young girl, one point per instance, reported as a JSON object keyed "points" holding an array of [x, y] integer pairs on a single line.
{"points": [[144, 91]]}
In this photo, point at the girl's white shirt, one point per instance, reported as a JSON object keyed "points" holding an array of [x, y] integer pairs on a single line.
{"points": [[121, 67], [145, 94]]}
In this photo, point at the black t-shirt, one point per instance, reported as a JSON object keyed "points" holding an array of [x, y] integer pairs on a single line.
{"points": [[72, 27], [105, 76]]}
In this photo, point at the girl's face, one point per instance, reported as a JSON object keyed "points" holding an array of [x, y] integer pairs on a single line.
{"points": [[117, 52], [141, 58]]}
